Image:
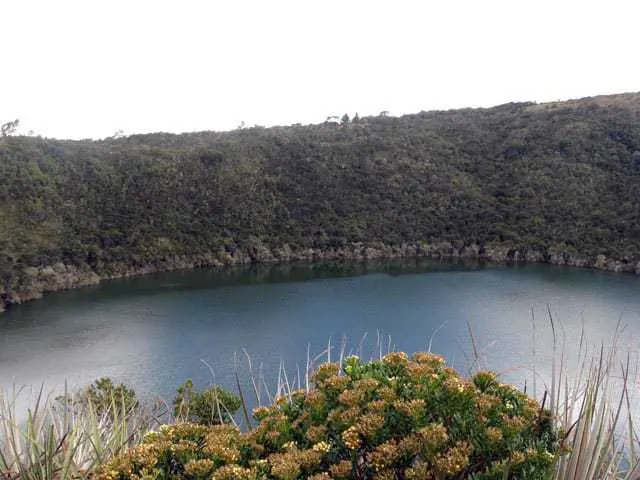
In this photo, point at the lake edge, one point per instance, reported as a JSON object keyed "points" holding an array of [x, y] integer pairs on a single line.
{"points": [[60, 276]]}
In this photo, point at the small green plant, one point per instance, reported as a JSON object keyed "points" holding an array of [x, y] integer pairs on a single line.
{"points": [[394, 418], [103, 396], [209, 407]]}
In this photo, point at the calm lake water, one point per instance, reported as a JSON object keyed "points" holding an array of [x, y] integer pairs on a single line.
{"points": [[154, 332]]}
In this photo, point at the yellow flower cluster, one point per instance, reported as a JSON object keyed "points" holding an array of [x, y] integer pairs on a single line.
{"points": [[316, 399], [290, 445], [385, 455], [233, 472], [485, 402], [260, 412], [320, 476], [284, 466], [419, 371], [494, 434], [290, 464], [454, 460], [428, 358], [386, 419], [517, 457], [185, 430], [315, 433], [395, 358], [434, 436], [352, 398], [199, 468], [411, 408], [370, 424], [387, 474], [387, 394], [456, 384], [366, 385], [325, 371], [336, 384], [322, 447], [351, 438], [377, 406], [222, 443], [342, 469], [270, 428], [514, 423], [343, 418], [182, 447]]}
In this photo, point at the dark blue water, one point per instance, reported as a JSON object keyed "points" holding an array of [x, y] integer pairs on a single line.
{"points": [[154, 332]]}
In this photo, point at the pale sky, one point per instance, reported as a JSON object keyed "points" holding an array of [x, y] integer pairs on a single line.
{"points": [[78, 69]]}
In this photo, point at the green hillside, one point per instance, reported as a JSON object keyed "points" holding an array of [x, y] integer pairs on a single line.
{"points": [[553, 182]]}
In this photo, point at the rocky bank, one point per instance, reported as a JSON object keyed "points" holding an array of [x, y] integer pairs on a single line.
{"points": [[32, 282]]}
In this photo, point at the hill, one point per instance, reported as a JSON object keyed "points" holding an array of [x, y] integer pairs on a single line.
{"points": [[556, 182]]}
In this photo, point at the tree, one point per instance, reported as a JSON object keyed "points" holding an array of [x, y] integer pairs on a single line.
{"points": [[345, 119], [209, 407], [104, 397], [9, 128]]}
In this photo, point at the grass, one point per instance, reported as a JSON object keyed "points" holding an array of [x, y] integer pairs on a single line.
{"points": [[593, 409]]}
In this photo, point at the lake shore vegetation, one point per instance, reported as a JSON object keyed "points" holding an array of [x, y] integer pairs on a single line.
{"points": [[555, 182], [393, 417]]}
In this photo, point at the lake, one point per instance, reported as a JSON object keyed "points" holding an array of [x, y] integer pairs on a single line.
{"points": [[153, 332]]}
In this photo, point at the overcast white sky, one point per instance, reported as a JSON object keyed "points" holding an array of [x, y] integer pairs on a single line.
{"points": [[88, 68]]}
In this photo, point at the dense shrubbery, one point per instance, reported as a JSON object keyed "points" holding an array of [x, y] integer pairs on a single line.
{"points": [[560, 178], [390, 419]]}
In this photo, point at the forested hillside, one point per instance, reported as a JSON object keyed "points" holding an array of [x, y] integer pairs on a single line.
{"points": [[549, 182]]}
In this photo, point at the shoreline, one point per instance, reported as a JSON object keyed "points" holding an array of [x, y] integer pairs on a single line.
{"points": [[32, 283]]}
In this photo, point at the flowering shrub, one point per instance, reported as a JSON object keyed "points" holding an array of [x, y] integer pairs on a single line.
{"points": [[390, 419]]}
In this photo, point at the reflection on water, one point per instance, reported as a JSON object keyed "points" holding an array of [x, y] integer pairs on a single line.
{"points": [[153, 332]]}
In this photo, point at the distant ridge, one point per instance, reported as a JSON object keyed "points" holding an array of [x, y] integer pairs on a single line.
{"points": [[553, 182], [624, 100]]}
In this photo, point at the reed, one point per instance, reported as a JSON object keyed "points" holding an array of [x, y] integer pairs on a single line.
{"points": [[62, 437], [594, 409]]}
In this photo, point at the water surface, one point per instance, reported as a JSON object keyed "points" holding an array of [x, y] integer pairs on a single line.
{"points": [[154, 332]]}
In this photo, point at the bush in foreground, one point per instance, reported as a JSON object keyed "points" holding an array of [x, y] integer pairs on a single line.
{"points": [[389, 419]]}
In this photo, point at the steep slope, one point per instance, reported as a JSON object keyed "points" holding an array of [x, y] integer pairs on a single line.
{"points": [[553, 182]]}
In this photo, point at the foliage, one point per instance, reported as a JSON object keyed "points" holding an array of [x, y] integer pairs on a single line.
{"points": [[69, 439], [548, 180], [103, 397], [9, 128], [388, 419], [596, 410], [394, 418], [212, 406]]}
